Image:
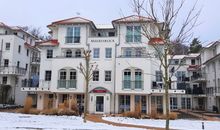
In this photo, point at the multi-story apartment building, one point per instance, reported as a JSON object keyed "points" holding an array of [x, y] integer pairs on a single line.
{"points": [[128, 69], [16, 49], [185, 71], [210, 61]]}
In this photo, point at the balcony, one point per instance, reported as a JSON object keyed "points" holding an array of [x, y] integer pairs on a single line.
{"points": [[198, 77], [193, 67], [35, 60], [134, 56], [30, 83], [35, 85], [102, 39], [66, 84], [72, 39], [12, 70], [128, 84], [157, 88]]}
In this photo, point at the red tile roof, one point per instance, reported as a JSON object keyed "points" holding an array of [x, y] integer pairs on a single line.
{"points": [[52, 42], [154, 41]]}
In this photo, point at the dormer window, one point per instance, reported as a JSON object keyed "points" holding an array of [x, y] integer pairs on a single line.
{"points": [[73, 35]]}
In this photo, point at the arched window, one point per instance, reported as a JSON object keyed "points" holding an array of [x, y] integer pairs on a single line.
{"points": [[138, 79], [67, 78], [127, 79], [78, 53], [132, 79], [68, 53]]}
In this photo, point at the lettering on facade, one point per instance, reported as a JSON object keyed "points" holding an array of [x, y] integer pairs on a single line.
{"points": [[103, 40]]}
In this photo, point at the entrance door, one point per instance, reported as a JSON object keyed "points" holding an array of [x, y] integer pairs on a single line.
{"points": [[99, 104]]}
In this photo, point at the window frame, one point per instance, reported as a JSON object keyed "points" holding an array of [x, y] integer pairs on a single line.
{"points": [[95, 75], [96, 52], [108, 75], [7, 46], [48, 75], [108, 53], [49, 53]]}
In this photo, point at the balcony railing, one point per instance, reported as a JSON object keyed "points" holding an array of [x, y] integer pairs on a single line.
{"points": [[30, 83], [66, 84], [70, 56], [72, 39], [128, 84], [198, 77], [14, 70], [35, 59], [134, 56]]}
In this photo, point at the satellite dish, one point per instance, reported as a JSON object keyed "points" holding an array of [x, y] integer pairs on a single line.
{"points": [[77, 13]]}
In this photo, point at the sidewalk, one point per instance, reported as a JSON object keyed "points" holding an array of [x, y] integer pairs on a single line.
{"points": [[98, 118], [201, 116]]}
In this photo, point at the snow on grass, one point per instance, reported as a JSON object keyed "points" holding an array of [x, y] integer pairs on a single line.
{"points": [[175, 124], [12, 121]]}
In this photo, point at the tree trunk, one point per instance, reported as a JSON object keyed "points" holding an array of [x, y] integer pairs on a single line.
{"points": [[166, 89], [87, 58]]}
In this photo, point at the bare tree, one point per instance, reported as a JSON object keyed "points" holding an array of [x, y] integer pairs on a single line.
{"points": [[36, 31], [87, 72], [164, 32]]}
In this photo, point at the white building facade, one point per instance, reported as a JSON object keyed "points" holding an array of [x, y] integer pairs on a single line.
{"points": [[16, 49], [210, 61], [186, 74], [128, 71]]}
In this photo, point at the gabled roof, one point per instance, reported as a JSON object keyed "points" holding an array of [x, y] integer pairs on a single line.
{"points": [[17, 28], [132, 18], [52, 42], [74, 20], [4, 25]]}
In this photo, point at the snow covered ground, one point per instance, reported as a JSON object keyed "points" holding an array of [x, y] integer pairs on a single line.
{"points": [[175, 124], [12, 121]]}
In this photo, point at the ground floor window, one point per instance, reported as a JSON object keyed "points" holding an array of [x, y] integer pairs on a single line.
{"points": [[186, 103], [124, 103], [173, 103], [157, 103], [142, 101]]}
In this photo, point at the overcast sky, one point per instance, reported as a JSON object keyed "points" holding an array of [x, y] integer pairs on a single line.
{"points": [[40, 13]]}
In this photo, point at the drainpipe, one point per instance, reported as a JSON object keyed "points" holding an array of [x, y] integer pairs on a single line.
{"points": [[216, 102], [114, 97]]}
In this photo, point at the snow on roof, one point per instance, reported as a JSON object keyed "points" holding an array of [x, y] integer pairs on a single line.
{"points": [[104, 26], [4, 25], [52, 42], [192, 55], [17, 28]]}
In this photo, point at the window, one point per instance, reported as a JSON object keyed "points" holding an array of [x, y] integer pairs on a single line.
{"points": [[95, 75], [138, 52], [48, 74], [181, 75], [78, 53], [193, 62], [111, 34], [95, 52], [108, 52], [174, 61], [128, 52], [4, 80], [49, 53], [173, 102], [124, 103], [138, 79], [108, 75], [27, 52], [73, 35], [7, 46], [133, 34], [159, 76], [186, 103], [26, 66], [72, 74], [63, 75], [6, 62], [68, 53], [19, 49], [18, 64], [127, 79]]}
